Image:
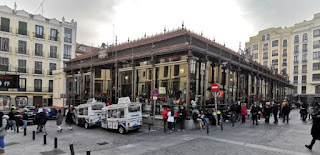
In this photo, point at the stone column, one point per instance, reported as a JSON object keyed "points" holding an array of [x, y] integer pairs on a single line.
{"points": [[133, 79], [188, 93], [205, 81], [116, 82]]}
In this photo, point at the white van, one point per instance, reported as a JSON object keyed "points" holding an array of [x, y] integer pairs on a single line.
{"points": [[123, 116], [88, 114]]}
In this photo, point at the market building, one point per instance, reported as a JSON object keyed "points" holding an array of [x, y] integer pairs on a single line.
{"points": [[180, 63], [292, 51], [32, 47]]}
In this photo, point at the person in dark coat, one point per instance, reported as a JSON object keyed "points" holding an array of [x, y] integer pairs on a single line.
{"points": [[238, 111], [275, 110], [59, 120], [182, 117], [267, 112], [12, 119], [285, 108], [315, 130], [69, 119], [304, 111], [254, 111], [41, 119]]}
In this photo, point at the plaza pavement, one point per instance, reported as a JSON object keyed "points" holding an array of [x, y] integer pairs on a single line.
{"points": [[243, 139]]}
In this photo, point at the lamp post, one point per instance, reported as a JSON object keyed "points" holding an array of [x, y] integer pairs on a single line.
{"points": [[224, 66]]}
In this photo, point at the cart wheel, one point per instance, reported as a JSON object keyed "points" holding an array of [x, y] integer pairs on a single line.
{"points": [[86, 125], [121, 130]]}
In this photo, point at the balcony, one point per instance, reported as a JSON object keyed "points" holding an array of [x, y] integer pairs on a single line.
{"points": [[4, 68], [5, 49], [38, 72], [53, 55], [295, 81], [296, 51], [303, 91], [274, 54], [304, 71], [38, 89], [38, 53], [6, 29], [316, 46], [296, 61], [68, 40], [66, 56], [317, 91], [40, 36], [284, 64], [303, 81], [22, 70], [52, 38], [316, 35], [22, 51], [296, 41], [284, 54], [22, 32], [304, 60], [295, 71], [304, 50], [265, 48], [49, 72], [265, 57]]}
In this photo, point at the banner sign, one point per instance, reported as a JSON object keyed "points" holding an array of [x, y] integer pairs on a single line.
{"points": [[9, 81]]}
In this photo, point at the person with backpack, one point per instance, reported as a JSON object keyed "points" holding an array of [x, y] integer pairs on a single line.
{"points": [[42, 120], [59, 120], [285, 108], [3, 124]]}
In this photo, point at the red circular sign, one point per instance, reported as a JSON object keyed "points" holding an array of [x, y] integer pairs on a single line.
{"points": [[215, 87], [155, 92]]}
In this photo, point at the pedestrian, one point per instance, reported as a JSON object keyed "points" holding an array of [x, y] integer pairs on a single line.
{"points": [[12, 119], [275, 110], [3, 132], [254, 111], [238, 110], [285, 111], [25, 120], [42, 120], [59, 120], [202, 116], [243, 112], [69, 119], [182, 117], [267, 111], [304, 111], [315, 130], [199, 120], [170, 119]]}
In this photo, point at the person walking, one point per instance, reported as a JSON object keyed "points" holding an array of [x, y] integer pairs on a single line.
{"points": [[238, 110], [254, 111], [182, 117], [59, 120], [285, 111], [42, 120], [304, 111], [69, 119], [12, 119], [170, 119], [25, 120], [3, 132], [243, 112], [267, 111], [275, 110], [315, 130]]}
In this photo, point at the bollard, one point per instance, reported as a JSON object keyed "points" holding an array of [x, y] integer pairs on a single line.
{"points": [[88, 152], [33, 135], [55, 142], [44, 139], [221, 126], [25, 131], [71, 149], [17, 129], [149, 126], [207, 129]]}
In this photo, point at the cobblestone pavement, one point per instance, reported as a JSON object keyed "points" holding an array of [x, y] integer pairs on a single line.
{"points": [[243, 139]]}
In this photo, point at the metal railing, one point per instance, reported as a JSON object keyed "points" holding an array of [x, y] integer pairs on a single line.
{"points": [[22, 32], [284, 64], [303, 81], [295, 71], [39, 36], [53, 55], [68, 40], [22, 51], [22, 70], [37, 71], [38, 53], [304, 71], [296, 61], [4, 29], [284, 54], [304, 60], [7, 49], [316, 46], [296, 81], [53, 38], [303, 91], [66, 56]]}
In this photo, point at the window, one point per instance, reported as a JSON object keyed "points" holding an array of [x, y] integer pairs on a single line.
{"points": [[304, 58], [133, 108], [38, 67], [265, 63], [296, 39], [285, 43], [304, 68], [39, 31], [296, 49], [275, 62], [22, 84], [317, 89], [316, 66], [316, 33], [255, 56], [255, 47], [295, 79], [295, 90], [315, 77], [275, 43], [53, 52], [265, 46], [22, 47], [22, 66], [4, 44], [316, 55], [38, 85], [97, 73], [52, 67], [97, 106], [268, 36], [150, 74], [192, 66], [284, 71], [4, 64], [67, 35], [304, 47], [50, 86], [304, 79], [316, 44], [305, 37], [284, 62], [67, 52], [54, 34], [295, 69], [121, 113], [274, 52], [144, 74], [284, 53], [303, 89], [23, 29], [295, 59], [165, 71], [38, 49], [5, 24], [265, 55], [263, 38], [176, 70]]}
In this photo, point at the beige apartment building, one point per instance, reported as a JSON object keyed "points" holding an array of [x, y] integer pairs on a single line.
{"points": [[33, 46], [292, 51]]}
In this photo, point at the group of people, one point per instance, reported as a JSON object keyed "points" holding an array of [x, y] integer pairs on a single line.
{"points": [[171, 117]]}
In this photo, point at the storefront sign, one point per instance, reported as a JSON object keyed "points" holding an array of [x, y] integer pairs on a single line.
{"points": [[9, 81], [162, 90]]}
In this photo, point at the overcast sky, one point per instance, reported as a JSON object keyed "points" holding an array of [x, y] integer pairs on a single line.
{"points": [[228, 21]]}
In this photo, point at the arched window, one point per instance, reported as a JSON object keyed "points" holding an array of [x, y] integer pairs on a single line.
{"points": [[305, 37], [296, 39], [263, 38], [268, 36], [285, 43]]}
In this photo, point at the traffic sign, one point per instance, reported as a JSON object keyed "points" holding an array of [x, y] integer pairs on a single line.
{"points": [[155, 92], [215, 87]]}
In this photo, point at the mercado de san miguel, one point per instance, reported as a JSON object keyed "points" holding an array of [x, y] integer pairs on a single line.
{"points": [[181, 64]]}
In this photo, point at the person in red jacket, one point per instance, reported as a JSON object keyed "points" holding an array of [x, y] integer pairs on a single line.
{"points": [[244, 112], [165, 117]]}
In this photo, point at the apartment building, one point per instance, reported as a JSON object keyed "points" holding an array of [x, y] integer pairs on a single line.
{"points": [[294, 51], [33, 46]]}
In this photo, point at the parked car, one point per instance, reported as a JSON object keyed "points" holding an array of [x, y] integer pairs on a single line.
{"points": [[30, 113], [50, 112]]}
